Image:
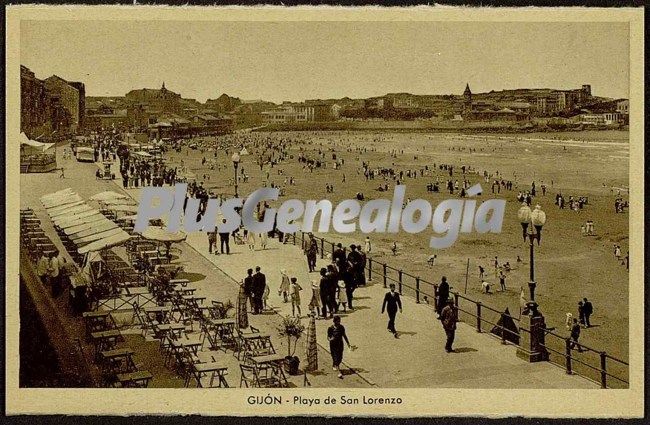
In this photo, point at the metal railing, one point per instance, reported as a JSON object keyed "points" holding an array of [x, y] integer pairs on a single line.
{"points": [[560, 348]]}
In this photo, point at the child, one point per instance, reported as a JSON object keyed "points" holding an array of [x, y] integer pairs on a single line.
{"points": [[502, 281], [341, 297], [486, 287], [569, 321], [284, 284], [294, 290]]}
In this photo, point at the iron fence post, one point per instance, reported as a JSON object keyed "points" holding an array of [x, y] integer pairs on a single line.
{"points": [[478, 316], [603, 369], [385, 271], [568, 356], [435, 296], [400, 282], [417, 289], [369, 269]]}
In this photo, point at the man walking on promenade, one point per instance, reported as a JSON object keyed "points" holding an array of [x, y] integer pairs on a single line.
{"points": [[224, 238], [443, 294], [449, 317], [391, 303], [311, 251], [324, 286], [259, 284]]}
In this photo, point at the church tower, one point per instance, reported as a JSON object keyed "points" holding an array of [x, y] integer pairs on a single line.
{"points": [[467, 99]]}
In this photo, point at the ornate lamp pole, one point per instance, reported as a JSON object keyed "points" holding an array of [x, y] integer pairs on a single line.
{"points": [[537, 218], [235, 163], [531, 344]]}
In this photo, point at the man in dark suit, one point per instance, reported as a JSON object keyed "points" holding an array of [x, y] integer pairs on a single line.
{"points": [[325, 292], [391, 303], [588, 309], [248, 287], [443, 294], [338, 258], [259, 284], [224, 238]]}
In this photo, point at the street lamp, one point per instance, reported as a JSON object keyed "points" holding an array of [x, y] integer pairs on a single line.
{"points": [[531, 341], [537, 218], [235, 163]]}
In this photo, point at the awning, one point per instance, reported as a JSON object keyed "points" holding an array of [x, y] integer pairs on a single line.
{"points": [[126, 201], [95, 228], [108, 242], [98, 236], [32, 146], [81, 226], [64, 206], [74, 210], [109, 194], [50, 196], [76, 219]]}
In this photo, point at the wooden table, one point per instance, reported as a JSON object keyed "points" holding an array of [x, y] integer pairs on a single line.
{"points": [[159, 313], [276, 364], [220, 333], [253, 342], [117, 361], [192, 345], [184, 290], [162, 330], [214, 370], [96, 321], [139, 379], [194, 298], [105, 340]]}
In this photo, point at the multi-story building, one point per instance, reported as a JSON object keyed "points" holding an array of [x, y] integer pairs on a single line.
{"points": [[623, 106], [72, 96], [298, 112], [34, 102], [50, 107], [156, 99]]}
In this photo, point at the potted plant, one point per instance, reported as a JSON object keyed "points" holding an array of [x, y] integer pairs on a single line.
{"points": [[292, 328]]}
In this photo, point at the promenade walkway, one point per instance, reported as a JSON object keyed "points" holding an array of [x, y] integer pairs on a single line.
{"points": [[417, 358]]}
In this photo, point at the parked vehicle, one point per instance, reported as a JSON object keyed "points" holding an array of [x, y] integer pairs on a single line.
{"points": [[85, 154]]}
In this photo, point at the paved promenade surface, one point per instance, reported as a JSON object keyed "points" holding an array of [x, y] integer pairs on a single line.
{"points": [[415, 359]]}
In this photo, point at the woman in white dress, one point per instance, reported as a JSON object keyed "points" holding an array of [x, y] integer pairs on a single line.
{"points": [[315, 303]]}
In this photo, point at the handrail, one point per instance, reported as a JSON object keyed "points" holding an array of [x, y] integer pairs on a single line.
{"points": [[384, 269]]}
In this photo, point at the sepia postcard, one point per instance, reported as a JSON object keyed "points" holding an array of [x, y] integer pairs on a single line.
{"points": [[354, 211]]}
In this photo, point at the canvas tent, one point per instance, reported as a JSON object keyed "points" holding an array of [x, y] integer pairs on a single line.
{"points": [[32, 147]]}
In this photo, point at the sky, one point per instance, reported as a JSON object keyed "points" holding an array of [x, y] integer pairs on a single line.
{"points": [[294, 61]]}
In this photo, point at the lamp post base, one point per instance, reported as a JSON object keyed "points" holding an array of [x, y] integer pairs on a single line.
{"points": [[531, 344]]}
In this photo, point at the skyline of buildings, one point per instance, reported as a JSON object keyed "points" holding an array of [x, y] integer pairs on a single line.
{"points": [[56, 105]]}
